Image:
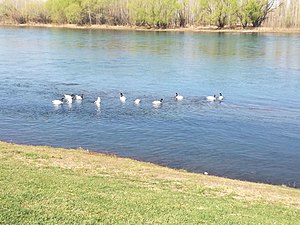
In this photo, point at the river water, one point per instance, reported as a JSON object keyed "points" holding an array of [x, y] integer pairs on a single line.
{"points": [[254, 134]]}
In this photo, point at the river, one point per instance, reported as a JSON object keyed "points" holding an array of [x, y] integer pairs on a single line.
{"points": [[253, 134]]}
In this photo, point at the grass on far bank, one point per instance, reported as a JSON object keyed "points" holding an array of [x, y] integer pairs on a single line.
{"points": [[44, 185], [210, 29]]}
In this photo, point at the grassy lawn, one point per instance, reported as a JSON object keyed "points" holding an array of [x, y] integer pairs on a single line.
{"points": [[44, 185]]}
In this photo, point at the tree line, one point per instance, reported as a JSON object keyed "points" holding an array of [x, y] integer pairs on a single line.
{"points": [[154, 13]]}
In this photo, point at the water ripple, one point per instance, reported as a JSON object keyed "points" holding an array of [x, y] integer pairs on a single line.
{"points": [[254, 134]]}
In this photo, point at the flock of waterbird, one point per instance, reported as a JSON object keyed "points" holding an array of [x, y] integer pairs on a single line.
{"points": [[69, 99]]}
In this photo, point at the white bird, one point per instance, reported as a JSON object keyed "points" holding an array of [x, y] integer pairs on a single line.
{"points": [[69, 101], [211, 98], [68, 98], [137, 101], [77, 97], [58, 102], [98, 101], [221, 97], [178, 97], [157, 103], [122, 98]]}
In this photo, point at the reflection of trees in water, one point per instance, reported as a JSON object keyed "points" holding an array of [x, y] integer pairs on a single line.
{"points": [[233, 45], [284, 53]]}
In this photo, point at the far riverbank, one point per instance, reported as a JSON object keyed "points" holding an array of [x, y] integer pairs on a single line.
{"points": [[187, 29]]}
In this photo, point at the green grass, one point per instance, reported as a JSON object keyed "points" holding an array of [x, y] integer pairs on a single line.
{"points": [[43, 185]]}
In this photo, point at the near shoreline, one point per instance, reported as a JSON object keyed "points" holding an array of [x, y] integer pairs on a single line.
{"points": [[65, 186], [188, 29]]}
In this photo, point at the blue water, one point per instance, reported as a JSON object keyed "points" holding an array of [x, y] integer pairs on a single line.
{"points": [[254, 134]]}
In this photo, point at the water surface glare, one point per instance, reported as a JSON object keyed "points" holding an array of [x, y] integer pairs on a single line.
{"points": [[254, 134]]}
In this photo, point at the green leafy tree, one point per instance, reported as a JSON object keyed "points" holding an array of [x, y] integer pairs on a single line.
{"points": [[56, 10], [89, 11], [116, 12], [36, 12], [6, 11], [9, 13], [73, 13], [95, 11], [183, 12], [154, 13], [219, 12], [201, 13], [138, 12], [258, 10], [241, 13], [102, 12]]}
